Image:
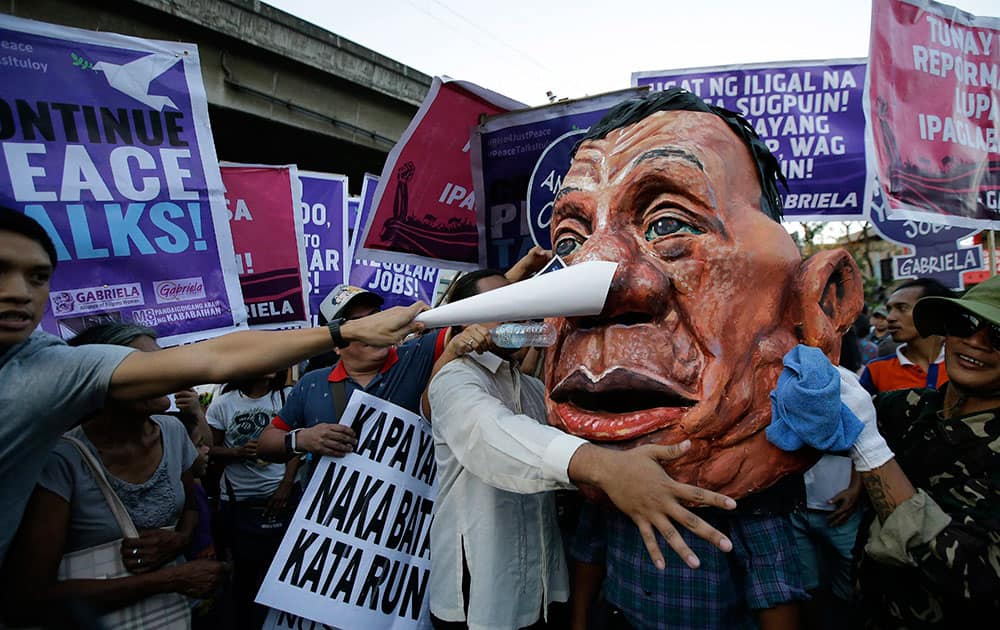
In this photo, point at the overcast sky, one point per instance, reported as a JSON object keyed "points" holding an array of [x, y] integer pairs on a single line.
{"points": [[525, 48]]}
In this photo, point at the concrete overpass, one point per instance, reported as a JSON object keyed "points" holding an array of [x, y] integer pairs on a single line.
{"points": [[280, 90]]}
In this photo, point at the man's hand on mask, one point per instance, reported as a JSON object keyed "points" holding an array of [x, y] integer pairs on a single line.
{"points": [[636, 483], [533, 261]]}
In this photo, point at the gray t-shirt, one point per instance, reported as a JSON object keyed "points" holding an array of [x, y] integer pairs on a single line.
{"points": [[46, 387], [243, 419], [157, 502]]}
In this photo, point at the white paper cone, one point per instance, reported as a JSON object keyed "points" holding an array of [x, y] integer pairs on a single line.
{"points": [[574, 291]]}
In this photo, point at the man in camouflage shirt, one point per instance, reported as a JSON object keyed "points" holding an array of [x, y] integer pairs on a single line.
{"points": [[931, 557]]}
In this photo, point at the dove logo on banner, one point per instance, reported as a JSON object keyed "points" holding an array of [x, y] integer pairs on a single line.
{"points": [[134, 78], [105, 141], [324, 209]]}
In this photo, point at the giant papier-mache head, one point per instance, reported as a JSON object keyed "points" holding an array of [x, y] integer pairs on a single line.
{"points": [[709, 295]]}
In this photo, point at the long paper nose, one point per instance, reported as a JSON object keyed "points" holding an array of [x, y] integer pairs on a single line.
{"points": [[577, 290]]}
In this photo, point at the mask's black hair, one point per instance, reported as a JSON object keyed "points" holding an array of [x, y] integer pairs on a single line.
{"points": [[633, 110]]}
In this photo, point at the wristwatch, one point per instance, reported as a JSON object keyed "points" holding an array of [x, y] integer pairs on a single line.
{"points": [[291, 445], [334, 328]]}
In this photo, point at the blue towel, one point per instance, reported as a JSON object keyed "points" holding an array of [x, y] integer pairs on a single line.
{"points": [[806, 409]]}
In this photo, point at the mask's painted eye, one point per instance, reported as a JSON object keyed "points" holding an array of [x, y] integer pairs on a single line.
{"points": [[665, 226], [566, 246]]}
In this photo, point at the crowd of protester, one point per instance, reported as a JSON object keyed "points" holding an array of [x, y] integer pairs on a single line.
{"points": [[129, 496]]}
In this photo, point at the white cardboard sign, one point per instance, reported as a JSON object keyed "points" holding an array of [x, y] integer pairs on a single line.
{"points": [[357, 552]]}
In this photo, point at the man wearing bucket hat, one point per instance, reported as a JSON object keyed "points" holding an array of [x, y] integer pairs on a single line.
{"points": [[931, 553]]}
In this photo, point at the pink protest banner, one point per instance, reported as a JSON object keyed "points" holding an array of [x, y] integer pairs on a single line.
{"points": [[263, 205], [933, 106], [425, 209]]}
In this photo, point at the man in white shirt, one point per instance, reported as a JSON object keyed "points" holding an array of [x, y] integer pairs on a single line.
{"points": [[497, 557]]}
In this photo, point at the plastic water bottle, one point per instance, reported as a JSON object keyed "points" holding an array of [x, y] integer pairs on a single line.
{"points": [[523, 335]]}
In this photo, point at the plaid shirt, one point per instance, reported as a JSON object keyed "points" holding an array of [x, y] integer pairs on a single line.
{"points": [[955, 579], [762, 571]]}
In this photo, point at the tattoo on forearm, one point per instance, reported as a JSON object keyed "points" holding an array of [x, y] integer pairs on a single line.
{"points": [[879, 494]]}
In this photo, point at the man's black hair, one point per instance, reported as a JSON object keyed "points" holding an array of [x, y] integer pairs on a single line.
{"points": [[465, 286], [931, 287], [274, 384], [633, 110], [20, 223]]}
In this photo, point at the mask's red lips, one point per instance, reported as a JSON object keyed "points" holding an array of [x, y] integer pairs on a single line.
{"points": [[619, 405]]}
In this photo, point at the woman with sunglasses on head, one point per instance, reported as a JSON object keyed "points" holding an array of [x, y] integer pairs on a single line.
{"points": [[931, 557]]}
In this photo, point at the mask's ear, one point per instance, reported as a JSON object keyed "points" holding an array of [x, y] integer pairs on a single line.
{"points": [[831, 296]]}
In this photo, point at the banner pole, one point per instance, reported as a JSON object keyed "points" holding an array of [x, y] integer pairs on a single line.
{"points": [[991, 240]]}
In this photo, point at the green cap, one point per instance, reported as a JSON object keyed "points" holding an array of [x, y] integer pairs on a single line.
{"points": [[982, 300]]}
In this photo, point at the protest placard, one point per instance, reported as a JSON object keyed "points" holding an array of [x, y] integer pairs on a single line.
{"points": [[399, 284], [324, 225], [933, 105], [518, 161], [424, 206], [263, 204], [106, 143], [357, 552], [810, 115]]}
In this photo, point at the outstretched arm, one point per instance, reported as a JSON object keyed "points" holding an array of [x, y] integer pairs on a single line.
{"points": [[248, 353]]}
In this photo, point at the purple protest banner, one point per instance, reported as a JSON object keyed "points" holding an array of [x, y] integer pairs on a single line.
{"points": [[399, 284], [106, 142], [324, 223], [809, 113], [518, 161]]}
